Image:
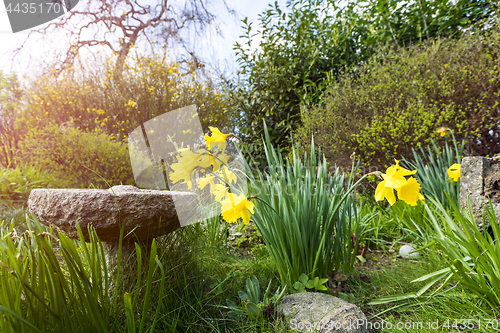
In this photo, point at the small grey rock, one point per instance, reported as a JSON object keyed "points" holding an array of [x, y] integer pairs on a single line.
{"points": [[405, 250], [317, 312]]}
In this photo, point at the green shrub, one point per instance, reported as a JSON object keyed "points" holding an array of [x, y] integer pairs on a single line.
{"points": [[70, 154], [398, 100], [150, 86], [312, 42], [11, 96], [17, 183]]}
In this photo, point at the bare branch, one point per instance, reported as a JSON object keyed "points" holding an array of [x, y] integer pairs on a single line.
{"points": [[118, 25]]}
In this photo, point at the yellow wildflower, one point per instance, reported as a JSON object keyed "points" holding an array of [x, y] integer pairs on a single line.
{"points": [[394, 175], [204, 181], [186, 165], [220, 191], [217, 160], [227, 175], [382, 192], [394, 179]]}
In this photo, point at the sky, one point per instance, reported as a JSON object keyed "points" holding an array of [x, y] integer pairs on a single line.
{"points": [[216, 50]]}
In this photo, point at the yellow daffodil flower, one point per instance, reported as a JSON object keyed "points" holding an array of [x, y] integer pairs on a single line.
{"points": [[236, 206], [409, 192], [220, 191], [441, 131], [454, 172], [208, 179], [382, 192], [394, 175], [181, 173], [213, 159], [216, 139], [227, 175], [394, 179], [187, 163]]}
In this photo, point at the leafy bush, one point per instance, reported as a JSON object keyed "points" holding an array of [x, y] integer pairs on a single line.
{"points": [[150, 86], [399, 99], [17, 183], [298, 52], [309, 44], [11, 95], [304, 214], [70, 154]]}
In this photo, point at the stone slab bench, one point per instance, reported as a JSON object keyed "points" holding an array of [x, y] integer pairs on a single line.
{"points": [[147, 214]]}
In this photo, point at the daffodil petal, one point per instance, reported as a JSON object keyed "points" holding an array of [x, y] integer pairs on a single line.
{"points": [[382, 192], [409, 192]]}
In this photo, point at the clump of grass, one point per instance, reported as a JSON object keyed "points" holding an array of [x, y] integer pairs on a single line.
{"points": [[52, 283], [304, 213], [395, 278]]}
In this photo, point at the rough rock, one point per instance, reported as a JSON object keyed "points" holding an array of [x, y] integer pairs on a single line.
{"points": [[149, 213], [479, 182], [317, 312], [405, 250]]}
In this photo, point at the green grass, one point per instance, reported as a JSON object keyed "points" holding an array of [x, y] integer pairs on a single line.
{"points": [[202, 270], [192, 297], [391, 278]]}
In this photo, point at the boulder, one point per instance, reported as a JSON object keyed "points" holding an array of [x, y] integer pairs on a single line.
{"points": [[317, 312], [148, 213], [480, 182]]}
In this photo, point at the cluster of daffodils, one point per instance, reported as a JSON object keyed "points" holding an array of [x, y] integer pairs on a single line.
{"points": [[407, 190], [212, 163]]}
